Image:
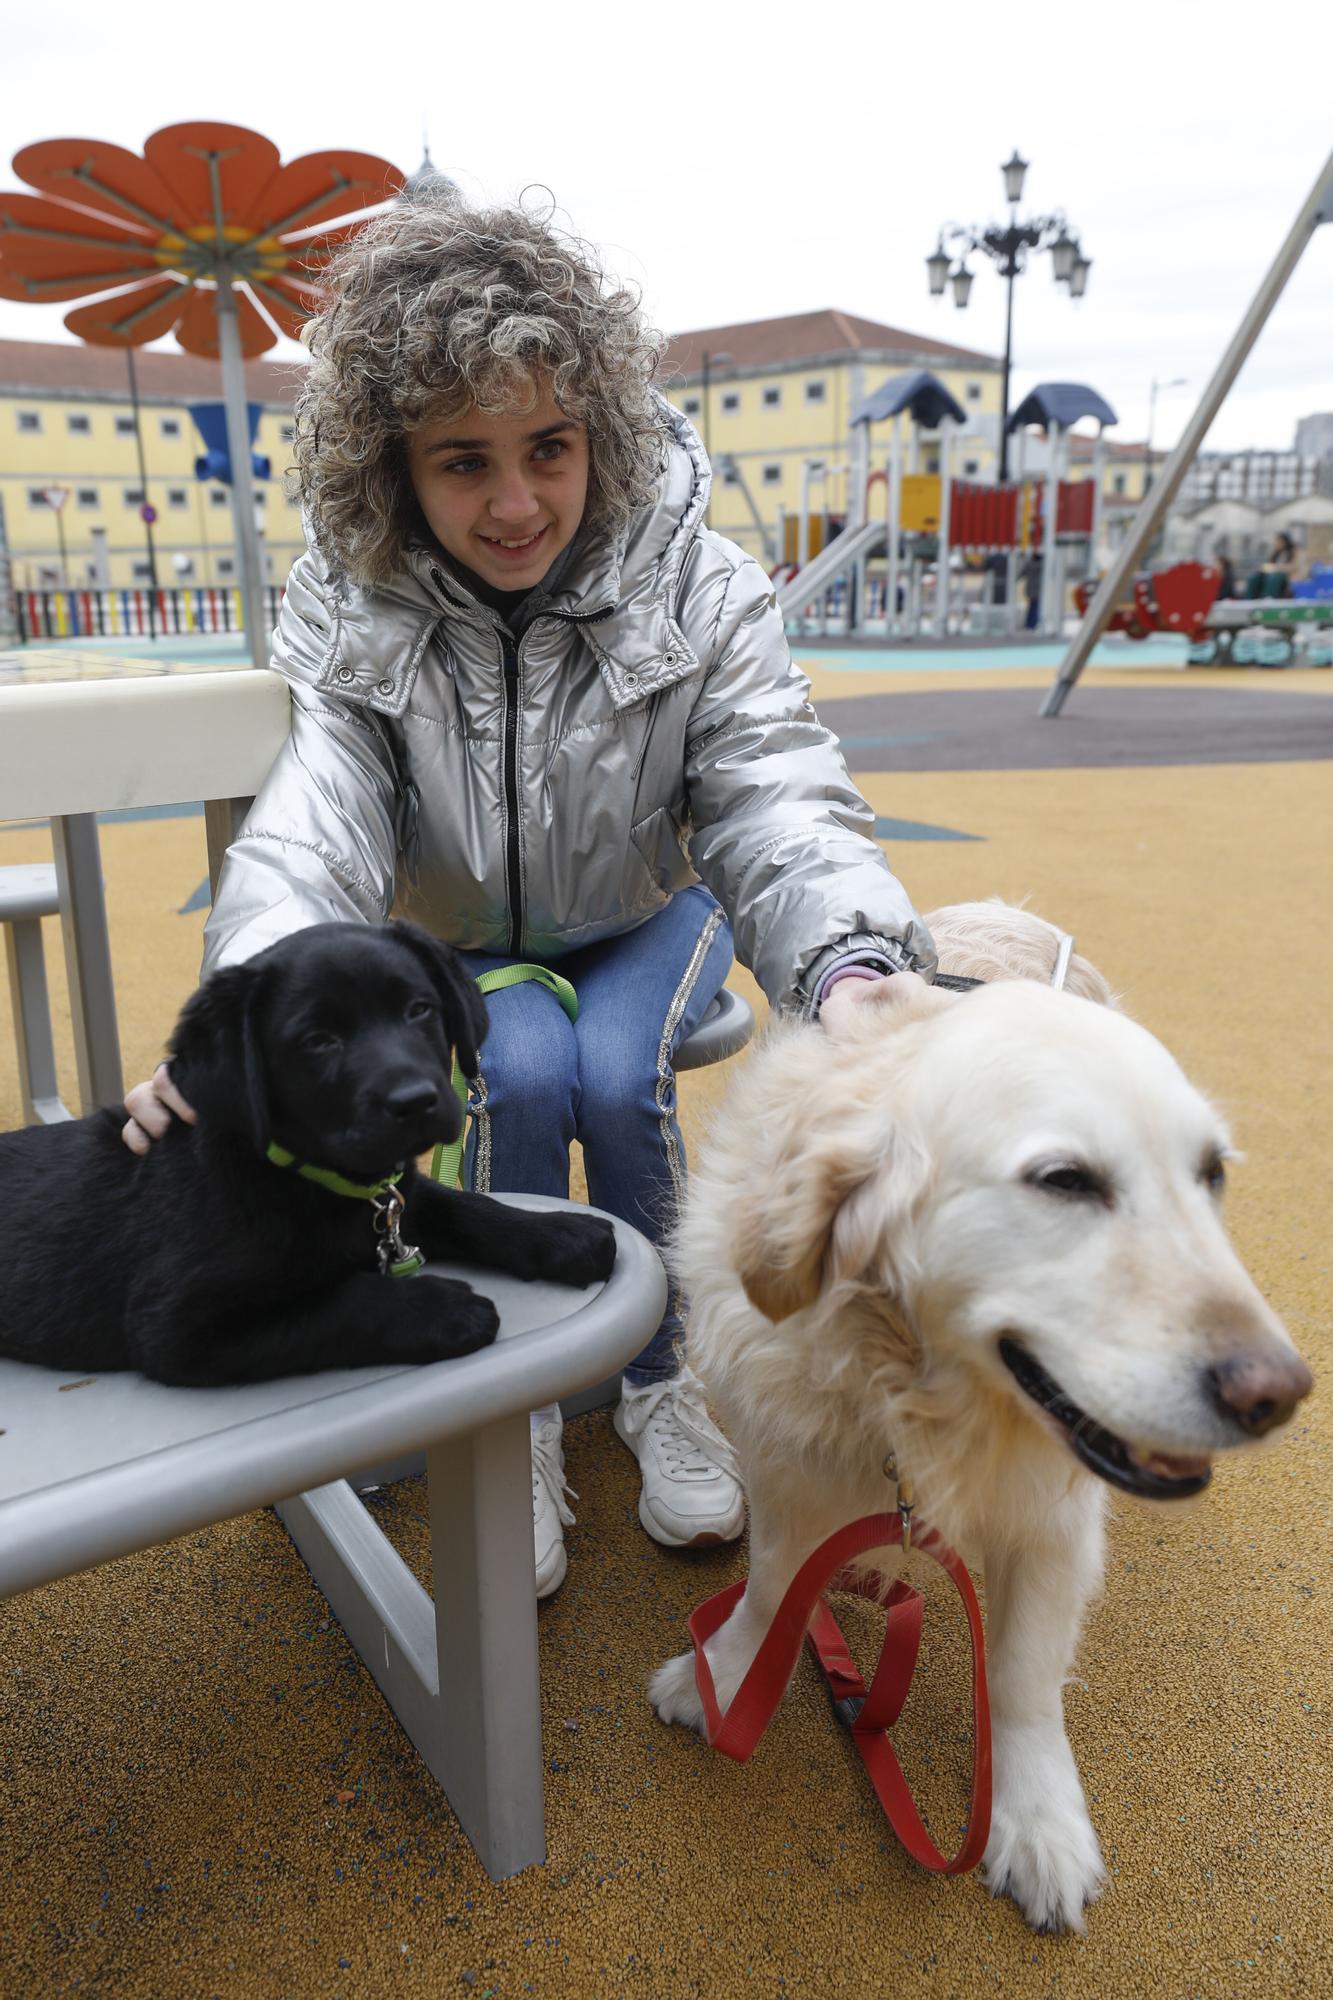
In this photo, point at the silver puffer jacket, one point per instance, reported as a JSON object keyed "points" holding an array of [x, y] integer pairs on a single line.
{"points": [[528, 797]]}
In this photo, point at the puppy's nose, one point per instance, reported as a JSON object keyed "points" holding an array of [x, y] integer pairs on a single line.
{"points": [[1259, 1391], [411, 1100]]}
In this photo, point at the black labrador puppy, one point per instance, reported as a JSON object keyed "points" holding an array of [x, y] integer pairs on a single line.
{"points": [[269, 1239]]}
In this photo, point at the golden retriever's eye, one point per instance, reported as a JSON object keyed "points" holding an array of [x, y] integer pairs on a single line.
{"points": [[420, 1010], [1067, 1178]]}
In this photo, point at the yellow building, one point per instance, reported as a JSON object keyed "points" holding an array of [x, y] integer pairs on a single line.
{"points": [[66, 423], [780, 393]]}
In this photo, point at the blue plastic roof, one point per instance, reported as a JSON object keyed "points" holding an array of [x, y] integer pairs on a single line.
{"points": [[921, 393], [1061, 403]]}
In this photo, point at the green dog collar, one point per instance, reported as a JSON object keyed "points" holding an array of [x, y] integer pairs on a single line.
{"points": [[396, 1258]]}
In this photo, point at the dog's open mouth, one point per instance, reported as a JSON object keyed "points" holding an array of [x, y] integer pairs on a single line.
{"points": [[1151, 1475]]}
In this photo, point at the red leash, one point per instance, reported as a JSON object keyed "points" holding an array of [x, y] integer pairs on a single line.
{"points": [[804, 1614]]}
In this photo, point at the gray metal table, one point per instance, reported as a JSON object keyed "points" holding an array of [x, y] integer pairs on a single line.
{"points": [[116, 1463]]}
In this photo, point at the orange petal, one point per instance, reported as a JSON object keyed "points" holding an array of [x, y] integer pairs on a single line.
{"points": [[245, 161], [131, 318], [319, 186], [98, 176], [285, 306], [49, 251], [198, 329]]}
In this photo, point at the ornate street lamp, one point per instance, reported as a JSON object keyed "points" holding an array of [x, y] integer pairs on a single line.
{"points": [[1008, 248]]}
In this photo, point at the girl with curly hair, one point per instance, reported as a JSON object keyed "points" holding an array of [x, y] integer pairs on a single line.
{"points": [[540, 708]]}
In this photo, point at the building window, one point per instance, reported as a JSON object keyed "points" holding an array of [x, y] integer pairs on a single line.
{"points": [[226, 566], [772, 475], [78, 425], [124, 427], [932, 465], [49, 577], [773, 399], [730, 476], [1118, 483], [289, 433], [184, 567], [30, 420], [37, 497], [974, 392], [691, 406], [815, 392], [143, 572], [88, 496], [217, 496], [731, 402], [170, 427], [971, 467], [261, 497], [134, 496], [177, 497]]}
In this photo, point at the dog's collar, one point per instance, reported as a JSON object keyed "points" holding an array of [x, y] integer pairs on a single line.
{"points": [[325, 1177], [396, 1258]]}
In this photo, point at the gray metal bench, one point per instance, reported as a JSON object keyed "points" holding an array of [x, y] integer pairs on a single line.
{"points": [[29, 892], [91, 1470]]}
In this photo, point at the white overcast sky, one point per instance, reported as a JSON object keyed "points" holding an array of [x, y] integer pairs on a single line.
{"points": [[739, 162]]}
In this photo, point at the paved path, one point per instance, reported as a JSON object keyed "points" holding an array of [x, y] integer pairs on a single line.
{"points": [[998, 729]]}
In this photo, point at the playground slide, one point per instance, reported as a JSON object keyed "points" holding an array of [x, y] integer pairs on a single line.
{"points": [[806, 586]]}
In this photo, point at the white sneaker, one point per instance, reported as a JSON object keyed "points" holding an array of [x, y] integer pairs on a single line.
{"points": [[550, 1514], [691, 1493]]}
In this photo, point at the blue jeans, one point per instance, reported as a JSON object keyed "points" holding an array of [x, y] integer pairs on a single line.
{"points": [[606, 1080]]}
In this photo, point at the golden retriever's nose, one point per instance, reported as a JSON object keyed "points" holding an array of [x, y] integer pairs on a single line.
{"points": [[1259, 1391]]}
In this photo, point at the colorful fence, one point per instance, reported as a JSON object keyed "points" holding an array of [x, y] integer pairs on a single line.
{"points": [[80, 614]]}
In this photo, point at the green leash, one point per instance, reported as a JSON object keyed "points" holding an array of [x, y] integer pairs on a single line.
{"points": [[447, 1163]]}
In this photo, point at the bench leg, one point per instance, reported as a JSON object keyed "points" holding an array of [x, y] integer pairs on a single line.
{"points": [[92, 997], [460, 1674], [39, 1093]]}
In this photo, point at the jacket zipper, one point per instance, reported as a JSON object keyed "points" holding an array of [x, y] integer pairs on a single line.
{"points": [[513, 842]]}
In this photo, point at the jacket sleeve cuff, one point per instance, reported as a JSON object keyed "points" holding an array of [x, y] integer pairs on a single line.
{"points": [[869, 957]]}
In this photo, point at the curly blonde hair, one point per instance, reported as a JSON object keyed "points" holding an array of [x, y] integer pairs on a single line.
{"points": [[433, 307]]}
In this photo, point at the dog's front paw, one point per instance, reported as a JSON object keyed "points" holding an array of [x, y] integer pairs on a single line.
{"points": [[435, 1319], [574, 1250], [674, 1693], [1042, 1850]]}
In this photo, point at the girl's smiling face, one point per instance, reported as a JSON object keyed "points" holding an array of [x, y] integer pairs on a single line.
{"points": [[502, 495]]}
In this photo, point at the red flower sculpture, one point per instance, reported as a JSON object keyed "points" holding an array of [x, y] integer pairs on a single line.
{"points": [[208, 206]]}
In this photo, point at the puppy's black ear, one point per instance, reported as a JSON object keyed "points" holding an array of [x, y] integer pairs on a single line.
{"points": [[464, 1009], [217, 1062]]}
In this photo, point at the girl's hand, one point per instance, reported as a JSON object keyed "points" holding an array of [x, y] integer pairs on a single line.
{"points": [[151, 1106]]}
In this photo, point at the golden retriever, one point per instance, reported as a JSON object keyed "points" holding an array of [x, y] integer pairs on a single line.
{"points": [[983, 1231]]}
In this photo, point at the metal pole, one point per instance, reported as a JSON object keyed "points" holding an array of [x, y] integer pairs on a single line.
{"points": [[1098, 480], [64, 553], [242, 487], [942, 559], [1008, 351], [1048, 623], [893, 503], [144, 502], [1152, 509]]}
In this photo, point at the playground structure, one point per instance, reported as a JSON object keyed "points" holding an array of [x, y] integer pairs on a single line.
{"points": [[1243, 631], [931, 521]]}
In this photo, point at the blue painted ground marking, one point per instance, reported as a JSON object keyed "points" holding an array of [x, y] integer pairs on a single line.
{"points": [[919, 829]]}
